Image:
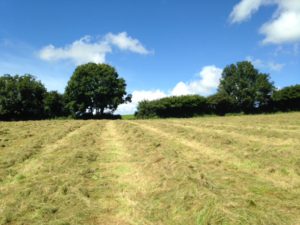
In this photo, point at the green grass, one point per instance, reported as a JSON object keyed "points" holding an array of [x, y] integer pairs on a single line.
{"points": [[128, 117], [210, 170]]}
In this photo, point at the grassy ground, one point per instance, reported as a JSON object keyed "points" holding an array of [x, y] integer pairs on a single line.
{"points": [[212, 170], [128, 117]]}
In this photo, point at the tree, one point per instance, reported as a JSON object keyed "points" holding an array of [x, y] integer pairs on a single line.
{"points": [[95, 88], [21, 97], [250, 90], [287, 98], [54, 104], [9, 101], [31, 93]]}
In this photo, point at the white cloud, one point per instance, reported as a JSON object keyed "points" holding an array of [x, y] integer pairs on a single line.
{"points": [[138, 96], [80, 51], [208, 82], [270, 65], [182, 88], [125, 42], [244, 10], [284, 27], [87, 49]]}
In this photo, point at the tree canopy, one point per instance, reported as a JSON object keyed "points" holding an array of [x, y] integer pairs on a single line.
{"points": [[287, 98], [21, 97], [242, 88], [95, 88], [249, 89], [54, 105]]}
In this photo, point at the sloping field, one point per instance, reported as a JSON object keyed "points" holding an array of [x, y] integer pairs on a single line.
{"points": [[212, 170]]}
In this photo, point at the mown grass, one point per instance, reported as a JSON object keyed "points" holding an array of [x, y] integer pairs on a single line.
{"points": [[128, 117], [211, 170]]}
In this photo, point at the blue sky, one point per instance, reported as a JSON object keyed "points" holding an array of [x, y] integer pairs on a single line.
{"points": [[161, 47]]}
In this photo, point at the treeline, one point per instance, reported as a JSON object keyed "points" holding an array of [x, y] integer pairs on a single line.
{"points": [[287, 99], [93, 92], [242, 89], [284, 100], [96, 90], [24, 98], [182, 106]]}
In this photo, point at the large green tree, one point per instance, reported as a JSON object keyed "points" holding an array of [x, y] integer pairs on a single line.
{"points": [[54, 104], [21, 97], [96, 88], [249, 89]]}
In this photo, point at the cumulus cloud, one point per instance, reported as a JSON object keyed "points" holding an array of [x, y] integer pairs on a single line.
{"points": [[88, 49], [244, 10], [80, 51], [208, 81], [138, 96], [284, 26], [124, 42], [270, 65]]}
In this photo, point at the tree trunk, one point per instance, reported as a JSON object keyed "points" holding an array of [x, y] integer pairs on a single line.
{"points": [[101, 111]]}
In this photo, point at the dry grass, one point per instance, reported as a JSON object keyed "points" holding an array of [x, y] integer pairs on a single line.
{"points": [[212, 170]]}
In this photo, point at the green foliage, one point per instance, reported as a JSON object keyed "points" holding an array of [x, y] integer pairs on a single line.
{"points": [[91, 88], [221, 104], [287, 99], [21, 97], [98, 88], [181, 106], [54, 104], [250, 90], [95, 87], [242, 89]]}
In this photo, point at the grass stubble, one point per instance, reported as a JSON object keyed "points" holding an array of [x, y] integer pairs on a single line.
{"points": [[211, 170]]}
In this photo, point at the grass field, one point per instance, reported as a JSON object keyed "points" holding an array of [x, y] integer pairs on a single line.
{"points": [[211, 170]]}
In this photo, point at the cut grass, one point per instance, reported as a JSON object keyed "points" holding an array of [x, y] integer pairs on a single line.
{"points": [[211, 170], [128, 117]]}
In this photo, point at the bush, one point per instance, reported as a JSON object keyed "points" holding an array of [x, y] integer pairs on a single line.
{"points": [[287, 99], [221, 104], [181, 106]]}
